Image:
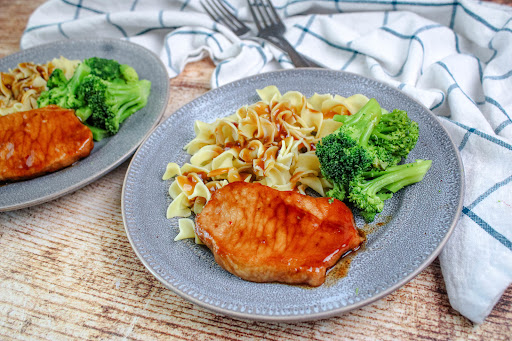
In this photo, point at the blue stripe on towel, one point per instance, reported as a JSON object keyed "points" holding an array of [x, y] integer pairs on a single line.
{"points": [[305, 29], [169, 57], [491, 190], [149, 29], [78, 6], [411, 37], [217, 71], [499, 77], [497, 105], [123, 32], [465, 139], [62, 31], [134, 4], [483, 135], [386, 18], [479, 19], [487, 228], [161, 27], [185, 4], [161, 18], [444, 66], [440, 102], [319, 37], [33, 28], [82, 7], [378, 2], [502, 126], [457, 42], [351, 59], [454, 13]]}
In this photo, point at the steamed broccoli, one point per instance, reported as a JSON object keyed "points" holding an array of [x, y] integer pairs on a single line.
{"points": [[98, 134], [128, 73], [65, 95], [110, 70], [396, 133], [107, 69], [56, 79], [370, 189], [111, 103], [361, 158], [345, 153], [103, 93]]}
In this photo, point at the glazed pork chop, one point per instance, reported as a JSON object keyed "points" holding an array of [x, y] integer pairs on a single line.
{"points": [[264, 235], [40, 141]]}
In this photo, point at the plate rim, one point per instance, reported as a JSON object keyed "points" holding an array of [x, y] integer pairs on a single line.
{"points": [[318, 315], [95, 176]]}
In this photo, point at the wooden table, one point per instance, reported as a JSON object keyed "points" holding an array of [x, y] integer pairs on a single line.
{"points": [[69, 272]]}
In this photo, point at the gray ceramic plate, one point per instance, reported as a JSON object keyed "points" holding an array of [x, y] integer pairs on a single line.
{"points": [[418, 220], [110, 152]]}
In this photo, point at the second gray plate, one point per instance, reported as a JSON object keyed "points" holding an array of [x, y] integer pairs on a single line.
{"points": [[415, 223], [108, 153]]}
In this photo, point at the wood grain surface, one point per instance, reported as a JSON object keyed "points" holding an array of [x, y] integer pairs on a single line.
{"points": [[69, 272]]}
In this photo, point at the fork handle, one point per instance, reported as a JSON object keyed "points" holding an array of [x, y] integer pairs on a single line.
{"points": [[297, 59]]}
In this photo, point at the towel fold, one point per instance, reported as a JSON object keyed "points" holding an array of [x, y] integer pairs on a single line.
{"points": [[454, 56]]}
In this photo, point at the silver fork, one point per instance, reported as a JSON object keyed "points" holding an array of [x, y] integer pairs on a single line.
{"points": [[218, 12], [221, 14], [271, 28]]}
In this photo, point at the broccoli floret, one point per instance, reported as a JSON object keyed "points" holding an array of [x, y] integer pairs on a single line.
{"points": [[370, 189], [103, 93], [126, 99], [83, 113], [382, 157], [128, 73], [337, 191], [56, 79], [361, 158], [44, 99], [111, 70], [345, 153], [111, 103], [396, 133], [107, 69], [65, 95], [98, 134]]}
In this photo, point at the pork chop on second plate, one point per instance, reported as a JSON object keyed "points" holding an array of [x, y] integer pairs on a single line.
{"points": [[40, 141]]}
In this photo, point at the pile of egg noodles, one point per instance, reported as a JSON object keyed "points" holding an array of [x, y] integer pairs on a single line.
{"points": [[271, 142], [21, 87]]}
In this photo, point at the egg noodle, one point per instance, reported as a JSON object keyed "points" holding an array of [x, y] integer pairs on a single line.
{"points": [[271, 142], [20, 88]]}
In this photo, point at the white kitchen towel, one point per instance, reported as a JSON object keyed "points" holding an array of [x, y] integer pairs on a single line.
{"points": [[454, 56]]}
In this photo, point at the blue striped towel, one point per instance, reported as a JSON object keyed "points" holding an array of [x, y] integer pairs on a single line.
{"points": [[454, 56]]}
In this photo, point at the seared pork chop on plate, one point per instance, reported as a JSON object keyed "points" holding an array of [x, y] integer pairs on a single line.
{"points": [[40, 141], [264, 235]]}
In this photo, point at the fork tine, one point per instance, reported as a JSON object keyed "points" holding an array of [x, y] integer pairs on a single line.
{"points": [[265, 13], [219, 12], [254, 15], [213, 13], [227, 13], [277, 19], [207, 9]]}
